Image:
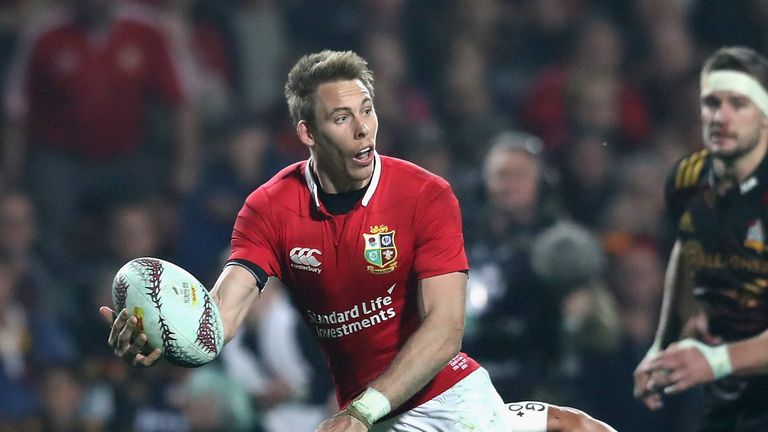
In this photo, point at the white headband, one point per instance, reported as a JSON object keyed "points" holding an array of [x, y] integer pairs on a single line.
{"points": [[740, 82]]}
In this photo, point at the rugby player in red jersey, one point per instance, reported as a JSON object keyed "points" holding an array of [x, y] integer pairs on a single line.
{"points": [[371, 250]]}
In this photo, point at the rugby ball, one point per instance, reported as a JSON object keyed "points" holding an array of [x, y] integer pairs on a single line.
{"points": [[174, 310]]}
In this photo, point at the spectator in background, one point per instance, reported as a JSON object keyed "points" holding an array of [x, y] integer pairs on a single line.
{"points": [[517, 341], [19, 242], [262, 43], [29, 340], [588, 170], [64, 403], [551, 26], [134, 229], [671, 74], [636, 209], [199, 38], [571, 265], [468, 110], [407, 111], [213, 401], [588, 92], [248, 158], [10, 22], [80, 89]]}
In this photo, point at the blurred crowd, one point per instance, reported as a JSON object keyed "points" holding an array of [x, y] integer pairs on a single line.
{"points": [[137, 128]]}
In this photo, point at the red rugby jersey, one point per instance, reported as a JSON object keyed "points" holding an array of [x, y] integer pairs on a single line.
{"points": [[353, 277]]}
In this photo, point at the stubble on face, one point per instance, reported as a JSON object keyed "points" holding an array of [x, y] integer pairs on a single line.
{"points": [[731, 125]]}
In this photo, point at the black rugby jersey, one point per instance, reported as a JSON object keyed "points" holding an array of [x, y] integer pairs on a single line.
{"points": [[724, 243]]}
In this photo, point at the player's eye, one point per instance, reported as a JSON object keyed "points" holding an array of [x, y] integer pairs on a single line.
{"points": [[342, 119], [739, 103], [710, 102]]}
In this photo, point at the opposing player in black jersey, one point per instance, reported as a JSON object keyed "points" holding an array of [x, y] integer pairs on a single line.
{"points": [[713, 329]]}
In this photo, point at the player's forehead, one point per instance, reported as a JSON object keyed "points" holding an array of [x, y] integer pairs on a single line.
{"points": [[339, 94]]}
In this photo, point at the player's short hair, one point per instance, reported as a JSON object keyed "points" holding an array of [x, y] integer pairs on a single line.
{"points": [[313, 70], [741, 59]]}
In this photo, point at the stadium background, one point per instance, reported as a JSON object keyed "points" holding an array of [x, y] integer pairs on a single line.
{"points": [[600, 96]]}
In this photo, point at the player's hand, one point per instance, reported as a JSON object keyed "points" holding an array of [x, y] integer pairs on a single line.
{"points": [[126, 339], [677, 369], [650, 396], [341, 423]]}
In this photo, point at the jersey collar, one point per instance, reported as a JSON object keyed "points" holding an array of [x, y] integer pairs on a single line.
{"points": [[313, 187], [759, 177]]}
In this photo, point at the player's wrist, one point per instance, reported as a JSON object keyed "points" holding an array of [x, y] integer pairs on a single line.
{"points": [[369, 407], [718, 357]]}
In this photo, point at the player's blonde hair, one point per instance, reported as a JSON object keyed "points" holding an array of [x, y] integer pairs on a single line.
{"points": [[318, 68]]}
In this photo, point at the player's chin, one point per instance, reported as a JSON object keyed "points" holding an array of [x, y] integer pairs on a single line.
{"points": [[722, 150], [360, 172]]}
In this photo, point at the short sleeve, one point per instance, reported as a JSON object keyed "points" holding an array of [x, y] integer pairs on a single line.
{"points": [[255, 236], [685, 179], [439, 245]]}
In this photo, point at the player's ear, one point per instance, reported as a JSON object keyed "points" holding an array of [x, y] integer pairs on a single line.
{"points": [[305, 133]]}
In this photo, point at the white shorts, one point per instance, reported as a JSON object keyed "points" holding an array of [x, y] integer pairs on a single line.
{"points": [[472, 404]]}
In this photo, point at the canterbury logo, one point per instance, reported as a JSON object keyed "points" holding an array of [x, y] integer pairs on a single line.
{"points": [[305, 256]]}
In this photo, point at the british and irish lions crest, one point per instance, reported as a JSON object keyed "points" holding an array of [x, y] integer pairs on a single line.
{"points": [[380, 250]]}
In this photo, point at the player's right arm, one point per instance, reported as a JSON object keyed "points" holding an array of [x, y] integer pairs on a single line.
{"points": [[674, 309]]}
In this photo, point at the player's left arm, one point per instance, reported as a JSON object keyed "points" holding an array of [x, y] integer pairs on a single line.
{"points": [[689, 363], [434, 344], [429, 349]]}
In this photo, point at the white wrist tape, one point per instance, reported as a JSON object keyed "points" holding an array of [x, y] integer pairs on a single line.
{"points": [[372, 405], [717, 356], [527, 416]]}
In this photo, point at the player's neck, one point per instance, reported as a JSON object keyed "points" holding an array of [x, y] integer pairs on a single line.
{"points": [[334, 184]]}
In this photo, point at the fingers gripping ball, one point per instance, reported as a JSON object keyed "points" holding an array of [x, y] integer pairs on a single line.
{"points": [[174, 310]]}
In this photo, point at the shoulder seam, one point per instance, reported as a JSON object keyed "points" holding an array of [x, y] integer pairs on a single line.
{"points": [[689, 170]]}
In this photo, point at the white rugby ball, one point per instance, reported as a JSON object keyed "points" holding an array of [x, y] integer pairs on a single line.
{"points": [[174, 310]]}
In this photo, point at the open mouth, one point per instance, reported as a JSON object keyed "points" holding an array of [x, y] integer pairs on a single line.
{"points": [[364, 155]]}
